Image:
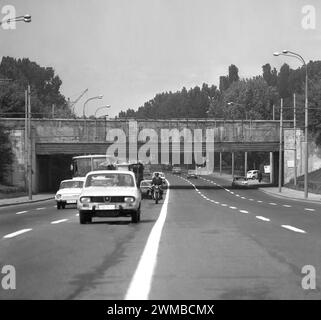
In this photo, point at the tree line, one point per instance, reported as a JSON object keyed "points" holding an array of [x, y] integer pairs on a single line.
{"points": [[249, 98]]}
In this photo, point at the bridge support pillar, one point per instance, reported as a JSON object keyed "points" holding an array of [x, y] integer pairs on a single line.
{"points": [[220, 163], [245, 163], [271, 167]]}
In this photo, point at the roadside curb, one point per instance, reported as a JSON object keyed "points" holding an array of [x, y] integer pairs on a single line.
{"points": [[24, 202], [289, 197]]}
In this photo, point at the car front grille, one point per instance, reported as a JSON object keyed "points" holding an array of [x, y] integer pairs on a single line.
{"points": [[108, 199]]}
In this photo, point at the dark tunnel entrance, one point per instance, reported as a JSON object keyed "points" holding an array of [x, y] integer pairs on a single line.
{"points": [[51, 169]]}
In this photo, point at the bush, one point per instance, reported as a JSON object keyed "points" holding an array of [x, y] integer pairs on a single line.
{"points": [[5, 152]]}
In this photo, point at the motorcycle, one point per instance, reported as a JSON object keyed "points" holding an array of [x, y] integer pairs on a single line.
{"points": [[156, 193]]}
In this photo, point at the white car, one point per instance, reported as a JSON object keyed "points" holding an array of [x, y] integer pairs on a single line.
{"points": [[109, 193], [69, 191], [252, 174]]}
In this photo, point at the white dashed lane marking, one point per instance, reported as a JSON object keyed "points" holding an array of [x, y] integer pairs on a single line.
{"points": [[272, 203], [244, 211], [17, 233], [41, 208], [308, 209], [21, 212], [262, 218], [287, 206], [58, 221], [293, 228]]}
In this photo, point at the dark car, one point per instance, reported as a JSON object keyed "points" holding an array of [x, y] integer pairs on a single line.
{"points": [[145, 188], [240, 182]]}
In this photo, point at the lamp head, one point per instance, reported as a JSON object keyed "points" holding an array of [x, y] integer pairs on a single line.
{"points": [[285, 51], [276, 54]]}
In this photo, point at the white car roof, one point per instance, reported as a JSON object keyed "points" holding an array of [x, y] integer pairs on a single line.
{"points": [[111, 171], [73, 180]]}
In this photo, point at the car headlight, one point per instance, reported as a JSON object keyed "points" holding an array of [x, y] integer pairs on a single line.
{"points": [[58, 196], [129, 199], [84, 199]]}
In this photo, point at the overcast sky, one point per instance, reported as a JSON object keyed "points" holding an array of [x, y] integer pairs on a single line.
{"points": [[130, 50]]}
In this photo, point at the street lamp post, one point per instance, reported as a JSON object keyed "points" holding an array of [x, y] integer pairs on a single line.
{"points": [[92, 98], [292, 54], [103, 107], [26, 18]]}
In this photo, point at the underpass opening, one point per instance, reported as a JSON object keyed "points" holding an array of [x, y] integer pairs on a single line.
{"points": [[51, 169]]}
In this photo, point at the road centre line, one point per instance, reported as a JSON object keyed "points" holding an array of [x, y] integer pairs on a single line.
{"points": [[140, 284], [17, 233]]}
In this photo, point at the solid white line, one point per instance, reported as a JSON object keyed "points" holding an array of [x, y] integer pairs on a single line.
{"points": [[244, 211], [20, 212], [308, 209], [293, 228], [140, 284], [262, 218], [58, 221], [14, 234]]}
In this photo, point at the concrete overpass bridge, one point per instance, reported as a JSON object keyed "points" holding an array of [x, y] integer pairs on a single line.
{"points": [[55, 141]]}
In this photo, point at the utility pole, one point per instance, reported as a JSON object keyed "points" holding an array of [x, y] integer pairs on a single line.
{"points": [[294, 125], [280, 150], [29, 170], [26, 140]]}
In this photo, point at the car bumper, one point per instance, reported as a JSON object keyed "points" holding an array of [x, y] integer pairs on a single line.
{"points": [[108, 210]]}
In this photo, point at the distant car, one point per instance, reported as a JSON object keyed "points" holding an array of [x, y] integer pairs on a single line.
{"points": [[252, 174], [240, 182], [145, 188], [192, 174], [176, 170], [69, 191], [109, 193]]}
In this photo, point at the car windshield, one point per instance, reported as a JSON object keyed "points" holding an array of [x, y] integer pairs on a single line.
{"points": [[110, 180], [71, 184]]}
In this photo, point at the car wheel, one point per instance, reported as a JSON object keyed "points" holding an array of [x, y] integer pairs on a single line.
{"points": [[63, 205], [58, 205], [83, 217], [136, 216]]}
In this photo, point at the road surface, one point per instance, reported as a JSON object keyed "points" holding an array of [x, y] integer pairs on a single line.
{"points": [[207, 241]]}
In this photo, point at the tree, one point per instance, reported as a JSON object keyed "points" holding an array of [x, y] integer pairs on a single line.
{"points": [[45, 89], [233, 74]]}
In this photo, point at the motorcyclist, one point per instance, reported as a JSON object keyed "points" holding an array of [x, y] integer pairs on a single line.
{"points": [[157, 180]]}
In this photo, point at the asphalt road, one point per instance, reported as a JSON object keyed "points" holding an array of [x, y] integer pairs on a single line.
{"points": [[207, 241]]}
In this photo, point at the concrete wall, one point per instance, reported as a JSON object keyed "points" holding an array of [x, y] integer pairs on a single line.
{"points": [[289, 144]]}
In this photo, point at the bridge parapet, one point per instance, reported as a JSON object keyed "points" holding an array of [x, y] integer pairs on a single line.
{"points": [[88, 130]]}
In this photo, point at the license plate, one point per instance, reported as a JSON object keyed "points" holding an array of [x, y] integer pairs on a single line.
{"points": [[106, 207], [71, 201]]}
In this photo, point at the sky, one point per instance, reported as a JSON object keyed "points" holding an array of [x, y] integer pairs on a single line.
{"points": [[130, 50]]}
